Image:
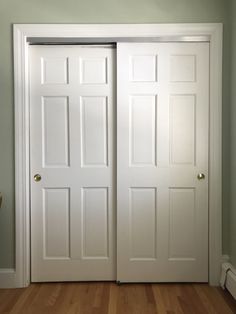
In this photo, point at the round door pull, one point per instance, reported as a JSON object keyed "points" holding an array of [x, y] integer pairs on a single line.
{"points": [[201, 176], [37, 177]]}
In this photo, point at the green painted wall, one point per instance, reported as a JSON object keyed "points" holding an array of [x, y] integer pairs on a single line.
{"points": [[91, 11], [232, 214]]}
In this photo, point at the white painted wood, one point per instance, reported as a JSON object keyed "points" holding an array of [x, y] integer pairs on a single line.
{"points": [[22, 161], [143, 132], [95, 208], [182, 68], [56, 223], [72, 148], [182, 129], [143, 222], [143, 68], [230, 283], [162, 207], [215, 157], [141, 32], [54, 70], [93, 71], [7, 278], [228, 276], [182, 224], [55, 128], [94, 139], [179, 32]]}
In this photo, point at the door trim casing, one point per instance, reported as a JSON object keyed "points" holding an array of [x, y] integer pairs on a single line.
{"points": [[128, 31]]}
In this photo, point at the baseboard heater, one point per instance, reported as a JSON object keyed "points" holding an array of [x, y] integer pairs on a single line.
{"points": [[228, 278]]}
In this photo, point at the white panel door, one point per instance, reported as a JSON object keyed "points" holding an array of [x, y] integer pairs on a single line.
{"points": [[72, 149], [162, 145]]}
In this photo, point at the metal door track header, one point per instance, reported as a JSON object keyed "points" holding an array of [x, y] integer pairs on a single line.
{"points": [[112, 40]]}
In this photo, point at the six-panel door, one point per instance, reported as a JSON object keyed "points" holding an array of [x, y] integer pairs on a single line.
{"points": [[72, 148], [162, 129]]}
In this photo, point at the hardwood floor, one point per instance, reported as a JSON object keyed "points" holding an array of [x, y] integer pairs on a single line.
{"points": [[109, 298]]}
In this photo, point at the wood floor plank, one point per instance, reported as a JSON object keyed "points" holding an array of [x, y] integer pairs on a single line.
{"points": [[190, 301], [8, 298], [109, 298], [25, 300], [113, 297], [215, 300], [204, 299], [227, 298], [167, 298]]}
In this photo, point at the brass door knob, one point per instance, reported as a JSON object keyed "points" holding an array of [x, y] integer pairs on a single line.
{"points": [[37, 177], [201, 176]]}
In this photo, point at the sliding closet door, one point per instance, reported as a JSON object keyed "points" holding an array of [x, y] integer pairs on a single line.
{"points": [[72, 163], [162, 153]]}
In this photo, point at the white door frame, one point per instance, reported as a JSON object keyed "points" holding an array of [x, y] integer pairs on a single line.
{"points": [[129, 32]]}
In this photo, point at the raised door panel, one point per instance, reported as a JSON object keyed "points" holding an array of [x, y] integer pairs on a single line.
{"points": [[94, 144], [54, 70], [143, 223], [182, 129], [143, 68], [93, 70], [95, 223], [55, 120], [143, 130], [182, 239], [183, 68], [56, 228]]}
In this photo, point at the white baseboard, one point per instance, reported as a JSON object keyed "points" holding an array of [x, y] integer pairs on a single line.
{"points": [[7, 278], [230, 283], [228, 276]]}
